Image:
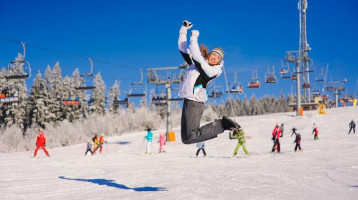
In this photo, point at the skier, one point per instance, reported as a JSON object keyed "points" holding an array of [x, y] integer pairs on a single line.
{"points": [[89, 148], [293, 131], [203, 68], [149, 139], [200, 146], [41, 142], [315, 131], [298, 141], [95, 142], [352, 125], [162, 142], [101, 141], [239, 134], [276, 138]]}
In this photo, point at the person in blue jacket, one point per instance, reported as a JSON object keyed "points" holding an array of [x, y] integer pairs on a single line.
{"points": [[200, 146], [149, 139], [204, 66]]}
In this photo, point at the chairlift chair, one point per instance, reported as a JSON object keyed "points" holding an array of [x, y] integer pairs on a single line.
{"points": [[235, 87], [320, 77], [285, 70], [19, 68], [87, 75], [316, 92], [254, 81], [137, 89], [270, 77], [8, 97]]}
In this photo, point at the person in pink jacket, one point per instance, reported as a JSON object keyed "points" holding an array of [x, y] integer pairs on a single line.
{"points": [[41, 142], [162, 142]]}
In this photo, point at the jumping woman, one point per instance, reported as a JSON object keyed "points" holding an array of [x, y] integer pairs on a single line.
{"points": [[203, 67]]}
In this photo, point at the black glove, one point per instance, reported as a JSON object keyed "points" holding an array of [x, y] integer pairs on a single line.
{"points": [[273, 138], [45, 144], [36, 143], [187, 24]]}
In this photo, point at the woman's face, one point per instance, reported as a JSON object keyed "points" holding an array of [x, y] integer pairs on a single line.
{"points": [[214, 59]]}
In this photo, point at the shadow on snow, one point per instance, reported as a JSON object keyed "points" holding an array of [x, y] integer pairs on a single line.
{"points": [[111, 183], [122, 143]]}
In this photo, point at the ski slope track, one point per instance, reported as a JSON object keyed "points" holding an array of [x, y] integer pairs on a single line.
{"points": [[326, 169]]}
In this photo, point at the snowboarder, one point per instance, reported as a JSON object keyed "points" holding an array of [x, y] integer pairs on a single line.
{"points": [[293, 131], [162, 142], [203, 68], [276, 138], [200, 146], [41, 142], [298, 141], [352, 126], [149, 139], [315, 132], [89, 148], [239, 134]]}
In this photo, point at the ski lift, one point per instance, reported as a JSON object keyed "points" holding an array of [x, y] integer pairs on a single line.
{"points": [[159, 101], [87, 75], [270, 77], [285, 70], [137, 89], [8, 95], [235, 87], [119, 102], [320, 77], [19, 68], [310, 67], [316, 92], [254, 81], [216, 91], [306, 85], [175, 98], [71, 101], [294, 77]]}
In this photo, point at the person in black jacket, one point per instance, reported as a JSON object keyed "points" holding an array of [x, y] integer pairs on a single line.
{"points": [[352, 126], [298, 142]]}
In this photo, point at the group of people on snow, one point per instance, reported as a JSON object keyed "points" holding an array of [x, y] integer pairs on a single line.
{"points": [[97, 144], [149, 140]]}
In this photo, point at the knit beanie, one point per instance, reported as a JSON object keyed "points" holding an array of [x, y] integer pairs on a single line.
{"points": [[219, 51]]}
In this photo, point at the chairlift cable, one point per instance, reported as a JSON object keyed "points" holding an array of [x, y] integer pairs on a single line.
{"points": [[68, 54]]}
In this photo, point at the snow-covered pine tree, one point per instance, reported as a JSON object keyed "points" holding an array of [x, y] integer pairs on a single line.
{"points": [[56, 93], [98, 99], [113, 96], [39, 113], [15, 113]]}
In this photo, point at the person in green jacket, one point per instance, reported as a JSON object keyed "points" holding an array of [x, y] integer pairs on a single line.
{"points": [[239, 134]]}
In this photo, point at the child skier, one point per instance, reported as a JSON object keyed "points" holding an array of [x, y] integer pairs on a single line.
{"points": [[298, 141], [203, 68], [315, 131], [162, 142], [352, 126], [41, 142], [200, 146], [239, 134], [89, 148], [276, 138], [149, 139]]}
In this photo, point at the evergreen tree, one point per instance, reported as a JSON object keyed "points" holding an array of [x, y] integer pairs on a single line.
{"points": [[98, 99], [113, 96]]}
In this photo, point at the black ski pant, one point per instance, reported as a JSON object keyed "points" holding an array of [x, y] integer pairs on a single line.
{"points": [[197, 152], [88, 150], [315, 137], [191, 132], [277, 142], [352, 128], [298, 146]]}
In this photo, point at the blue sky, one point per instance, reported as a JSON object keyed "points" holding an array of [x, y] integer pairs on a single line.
{"points": [[143, 34]]}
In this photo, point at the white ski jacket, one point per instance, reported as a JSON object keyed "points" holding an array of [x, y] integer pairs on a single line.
{"points": [[200, 73]]}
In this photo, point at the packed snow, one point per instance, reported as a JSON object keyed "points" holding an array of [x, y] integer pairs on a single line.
{"points": [[325, 169]]}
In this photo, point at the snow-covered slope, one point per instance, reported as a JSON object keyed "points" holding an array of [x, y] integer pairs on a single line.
{"points": [[326, 169]]}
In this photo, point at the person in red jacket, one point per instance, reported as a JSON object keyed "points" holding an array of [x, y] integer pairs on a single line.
{"points": [[41, 142], [101, 141], [276, 133], [315, 131]]}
